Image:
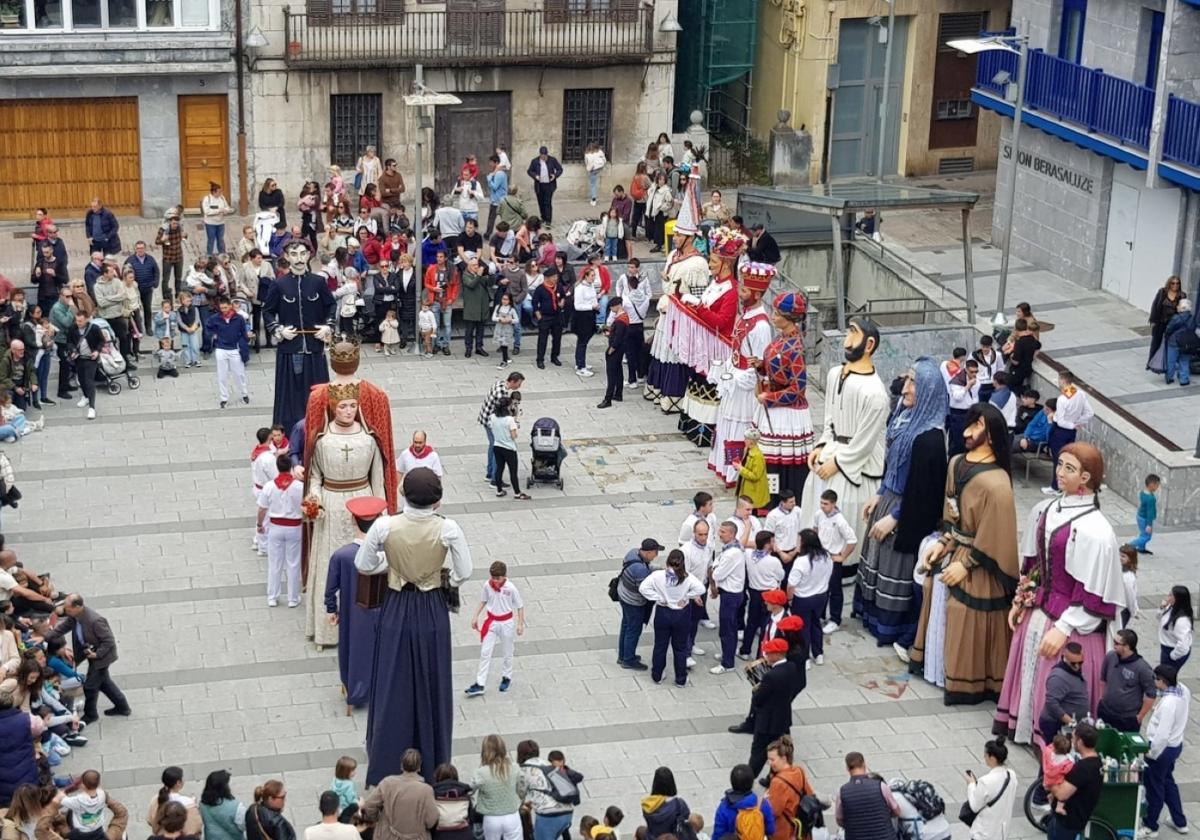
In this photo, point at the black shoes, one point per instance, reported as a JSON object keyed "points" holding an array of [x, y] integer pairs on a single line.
{"points": [[634, 665], [605, 404], [741, 728], [541, 365], [115, 712], [556, 362], [479, 351]]}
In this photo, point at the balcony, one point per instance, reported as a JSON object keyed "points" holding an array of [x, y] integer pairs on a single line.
{"points": [[1093, 109], [439, 38]]}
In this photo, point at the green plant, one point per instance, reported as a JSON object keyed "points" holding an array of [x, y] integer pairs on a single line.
{"points": [[10, 8]]}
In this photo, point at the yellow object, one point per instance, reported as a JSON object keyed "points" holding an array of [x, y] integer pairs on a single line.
{"points": [[752, 474], [668, 232]]}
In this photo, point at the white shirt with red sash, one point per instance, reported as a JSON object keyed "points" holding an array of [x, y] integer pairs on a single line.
{"points": [[281, 499], [409, 460]]}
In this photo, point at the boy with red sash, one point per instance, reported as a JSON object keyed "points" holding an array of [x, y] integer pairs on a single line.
{"points": [[279, 504], [502, 603]]}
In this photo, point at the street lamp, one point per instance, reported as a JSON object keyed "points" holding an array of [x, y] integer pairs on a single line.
{"points": [[1019, 44]]}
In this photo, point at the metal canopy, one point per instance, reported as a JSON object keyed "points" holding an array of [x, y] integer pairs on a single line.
{"points": [[849, 196]]}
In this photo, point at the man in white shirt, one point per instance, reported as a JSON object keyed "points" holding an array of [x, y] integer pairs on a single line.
{"points": [[419, 454], [729, 578], [953, 366], [1168, 722], [279, 503], [1073, 411], [839, 539], [703, 504], [263, 471], [964, 393], [747, 523], [784, 523], [329, 828], [698, 558], [764, 573]]}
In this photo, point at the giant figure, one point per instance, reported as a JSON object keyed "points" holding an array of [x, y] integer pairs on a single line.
{"points": [[299, 313], [782, 416]]}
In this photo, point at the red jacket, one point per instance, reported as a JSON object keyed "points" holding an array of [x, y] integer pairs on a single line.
{"points": [[431, 289], [722, 315], [372, 251]]}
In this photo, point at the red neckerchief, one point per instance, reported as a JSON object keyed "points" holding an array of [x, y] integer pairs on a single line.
{"points": [[258, 450], [282, 445], [553, 299], [495, 586], [624, 316], [953, 368], [422, 454], [284, 480], [229, 317]]}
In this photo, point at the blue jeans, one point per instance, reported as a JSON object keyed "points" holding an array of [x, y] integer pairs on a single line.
{"points": [[442, 316], [610, 247], [1161, 789], [1177, 364], [593, 184], [1056, 831], [215, 236], [633, 619], [1142, 539], [731, 608], [602, 312], [14, 429], [1164, 658], [550, 826], [43, 374], [491, 454], [190, 345]]}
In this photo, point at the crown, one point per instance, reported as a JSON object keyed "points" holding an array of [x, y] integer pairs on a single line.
{"points": [[339, 391], [344, 356]]}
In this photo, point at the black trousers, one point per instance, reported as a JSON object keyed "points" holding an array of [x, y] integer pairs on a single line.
{"points": [[473, 336], [545, 200], [549, 328], [30, 397], [758, 750], [64, 372], [612, 368], [491, 222], [171, 372], [147, 296], [639, 217], [85, 369], [120, 327], [97, 682], [171, 289], [635, 341], [1156, 339], [506, 458]]}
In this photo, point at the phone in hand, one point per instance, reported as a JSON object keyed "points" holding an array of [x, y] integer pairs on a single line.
{"points": [[970, 774]]}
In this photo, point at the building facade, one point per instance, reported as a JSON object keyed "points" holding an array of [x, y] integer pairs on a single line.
{"points": [[558, 73], [1108, 168], [128, 100], [825, 63]]}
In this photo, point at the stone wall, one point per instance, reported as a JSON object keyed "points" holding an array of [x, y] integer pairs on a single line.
{"points": [[1183, 68], [899, 347], [1062, 204]]}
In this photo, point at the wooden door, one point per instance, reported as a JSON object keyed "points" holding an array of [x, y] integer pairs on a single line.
{"points": [[203, 146], [60, 153], [953, 118], [475, 127]]}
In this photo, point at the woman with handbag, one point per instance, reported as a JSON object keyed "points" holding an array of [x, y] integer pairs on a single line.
{"points": [[264, 819], [988, 809], [788, 788]]}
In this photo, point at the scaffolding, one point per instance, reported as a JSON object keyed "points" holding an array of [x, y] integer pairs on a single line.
{"points": [[715, 63]]}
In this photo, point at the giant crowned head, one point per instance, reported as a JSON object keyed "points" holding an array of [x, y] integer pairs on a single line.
{"points": [[725, 244], [298, 256], [344, 357]]}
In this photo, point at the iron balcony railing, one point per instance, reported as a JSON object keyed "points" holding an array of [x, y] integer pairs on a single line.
{"points": [[1181, 140], [439, 38]]}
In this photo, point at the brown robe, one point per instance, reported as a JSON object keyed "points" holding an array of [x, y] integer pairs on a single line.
{"points": [[977, 634]]}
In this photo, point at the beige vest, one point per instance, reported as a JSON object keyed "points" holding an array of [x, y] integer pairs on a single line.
{"points": [[414, 551]]}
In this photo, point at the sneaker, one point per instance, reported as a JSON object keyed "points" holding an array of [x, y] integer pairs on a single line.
{"points": [[91, 415], [691, 663], [83, 401], [901, 652], [293, 604], [719, 669], [1178, 829], [1146, 832], [820, 659], [502, 366], [633, 386], [634, 666], [580, 372], [48, 401], [118, 712], [745, 657], [272, 602], [1049, 491], [39, 423], [708, 624], [588, 368], [75, 740], [830, 628], [474, 690], [808, 665], [505, 683], [697, 651]]}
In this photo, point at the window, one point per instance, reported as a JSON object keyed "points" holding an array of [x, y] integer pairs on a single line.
{"points": [[354, 125], [954, 109], [1152, 27], [563, 11], [959, 25], [118, 15], [1070, 33], [587, 118]]}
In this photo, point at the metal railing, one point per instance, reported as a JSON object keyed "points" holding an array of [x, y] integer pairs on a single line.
{"points": [[1181, 141], [439, 38]]}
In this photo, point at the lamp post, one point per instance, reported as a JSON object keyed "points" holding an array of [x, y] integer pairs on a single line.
{"points": [[1018, 43]]}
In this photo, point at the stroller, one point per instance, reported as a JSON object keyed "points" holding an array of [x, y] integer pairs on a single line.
{"points": [[548, 453], [112, 365], [581, 240]]}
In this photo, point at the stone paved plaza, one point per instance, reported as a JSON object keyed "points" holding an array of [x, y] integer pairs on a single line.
{"points": [[148, 512]]}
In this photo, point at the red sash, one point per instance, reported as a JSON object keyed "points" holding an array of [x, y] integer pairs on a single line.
{"points": [[282, 520], [487, 623]]}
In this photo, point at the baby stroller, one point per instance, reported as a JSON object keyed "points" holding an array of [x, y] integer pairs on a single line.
{"points": [[581, 240], [548, 453], [112, 365]]}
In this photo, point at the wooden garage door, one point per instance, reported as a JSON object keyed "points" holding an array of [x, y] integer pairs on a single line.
{"points": [[59, 153]]}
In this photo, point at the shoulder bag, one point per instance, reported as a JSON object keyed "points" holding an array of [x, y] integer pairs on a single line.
{"points": [[966, 816]]}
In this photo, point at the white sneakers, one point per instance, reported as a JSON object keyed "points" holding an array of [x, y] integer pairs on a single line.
{"points": [[272, 602], [718, 669], [91, 415], [901, 652], [697, 651], [708, 624], [83, 402], [830, 627], [808, 665], [691, 663], [821, 659], [584, 372]]}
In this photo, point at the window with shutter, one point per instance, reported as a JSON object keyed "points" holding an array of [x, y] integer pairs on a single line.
{"points": [[555, 11], [587, 118], [319, 11], [354, 123]]}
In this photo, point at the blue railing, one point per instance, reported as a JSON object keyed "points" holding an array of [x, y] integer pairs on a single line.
{"points": [[990, 64], [1181, 140]]}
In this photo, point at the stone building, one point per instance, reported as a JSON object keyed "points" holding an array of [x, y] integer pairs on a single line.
{"points": [[559, 73], [125, 99], [1108, 169], [824, 62]]}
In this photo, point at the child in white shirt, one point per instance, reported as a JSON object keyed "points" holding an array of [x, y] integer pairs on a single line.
{"points": [[389, 333], [84, 809], [505, 614], [262, 473], [840, 541], [426, 326], [279, 503], [1129, 564]]}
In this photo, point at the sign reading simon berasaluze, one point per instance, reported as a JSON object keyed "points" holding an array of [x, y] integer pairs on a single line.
{"points": [[1050, 169]]}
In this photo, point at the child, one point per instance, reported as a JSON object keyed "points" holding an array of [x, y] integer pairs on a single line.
{"points": [[839, 540], [343, 782], [1056, 763], [263, 472], [614, 232], [15, 425], [1073, 411], [231, 346], [84, 809], [1037, 432], [166, 323], [426, 326], [1129, 564], [279, 442], [752, 471], [586, 826], [613, 816], [504, 317], [281, 500], [1147, 512], [348, 302], [188, 319], [500, 599], [389, 333], [166, 358], [696, 821], [1027, 410], [808, 590]]}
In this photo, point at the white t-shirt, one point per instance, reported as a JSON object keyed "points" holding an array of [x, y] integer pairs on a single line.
{"points": [[763, 571], [785, 525], [279, 503], [425, 321], [406, 461], [264, 469], [507, 600], [808, 578], [331, 831]]}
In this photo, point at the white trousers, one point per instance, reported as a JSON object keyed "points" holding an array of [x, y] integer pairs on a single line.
{"points": [[502, 827], [283, 553], [506, 633], [260, 540], [229, 363]]}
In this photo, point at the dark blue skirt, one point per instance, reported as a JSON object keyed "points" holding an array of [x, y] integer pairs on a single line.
{"points": [[295, 374], [670, 379], [412, 696]]}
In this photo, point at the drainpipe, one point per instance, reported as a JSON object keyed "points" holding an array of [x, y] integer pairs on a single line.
{"points": [[1159, 120], [239, 51]]}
